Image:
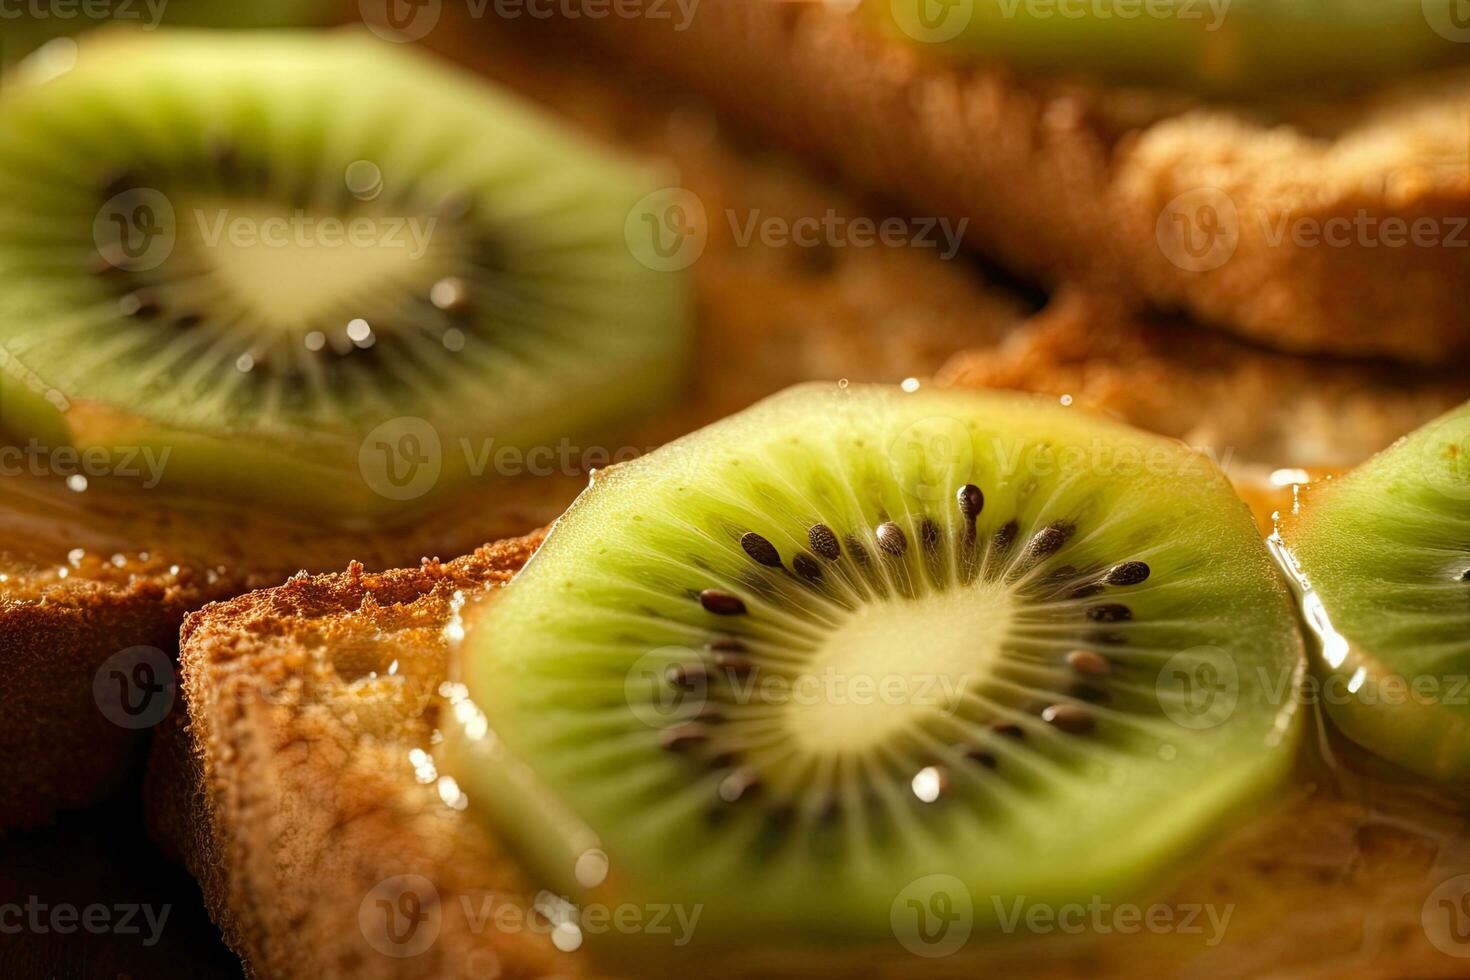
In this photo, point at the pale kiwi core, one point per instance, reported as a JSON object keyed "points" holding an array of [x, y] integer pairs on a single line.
{"points": [[864, 701]]}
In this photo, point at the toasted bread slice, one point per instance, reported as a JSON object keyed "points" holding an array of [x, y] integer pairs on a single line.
{"points": [[1254, 409], [768, 317], [1292, 221], [304, 796]]}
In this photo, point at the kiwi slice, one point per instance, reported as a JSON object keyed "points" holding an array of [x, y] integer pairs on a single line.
{"points": [[1382, 557], [786, 667], [1229, 46], [279, 257]]}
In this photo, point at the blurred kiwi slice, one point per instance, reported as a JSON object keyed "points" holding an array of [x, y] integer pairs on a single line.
{"points": [[1225, 46], [1382, 556], [316, 269], [858, 644]]}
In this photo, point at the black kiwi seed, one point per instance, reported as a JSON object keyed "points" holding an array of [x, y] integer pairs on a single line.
{"points": [[687, 677], [1009, 729], [1006, 536], [1085, 590], [892, 539], [760, 550], [734, 663], [972, 501], [740, 784], [856, 549], [976, 755], [1128, 573], [806, 566], [929, 533], [1050, 539], [188, 321], [824, 542], [721, 603], [1110, 613], [1090, 663], [1465, 576], [677, 738], [727, 644], [1069, 718], [141, 305]]}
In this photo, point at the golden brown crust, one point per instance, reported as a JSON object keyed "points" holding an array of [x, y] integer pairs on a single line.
{"points": [[292, 795], [1067, 180]]}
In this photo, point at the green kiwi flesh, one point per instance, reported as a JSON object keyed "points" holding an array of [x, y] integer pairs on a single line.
{"points": [[1382, 556], [361, 238], [1224, 46], [993, 596]]}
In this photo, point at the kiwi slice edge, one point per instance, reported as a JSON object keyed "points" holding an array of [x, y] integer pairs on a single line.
{"points": [[1381, 556]]}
